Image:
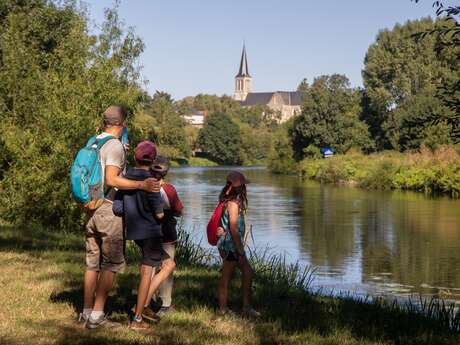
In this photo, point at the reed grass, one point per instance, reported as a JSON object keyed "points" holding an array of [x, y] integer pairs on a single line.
{"points": [[425, 170], [278, 276]]}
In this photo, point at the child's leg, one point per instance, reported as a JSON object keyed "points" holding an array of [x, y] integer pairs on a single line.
{"points": [[246, 282], [165, 290], [227, 272], [143, 290], [167, 268]]}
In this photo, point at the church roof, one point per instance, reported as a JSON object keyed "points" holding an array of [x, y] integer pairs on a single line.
{"points": [[291, 97], [288, 97], [254, 98], [244, 70]]}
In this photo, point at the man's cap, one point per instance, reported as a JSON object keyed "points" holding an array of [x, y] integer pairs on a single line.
{"points": [[145, 151], [114, 115], [236, 178], [160, 165]]}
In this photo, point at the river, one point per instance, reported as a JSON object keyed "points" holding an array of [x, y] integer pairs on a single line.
{"points": [[379, 243]]}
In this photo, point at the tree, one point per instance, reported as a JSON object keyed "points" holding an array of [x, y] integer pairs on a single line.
{"points": [[55, 82], [281, 155], [329, 118], [448, 39], [169, 127], [397, 68], [255, 144], [220, 138]]}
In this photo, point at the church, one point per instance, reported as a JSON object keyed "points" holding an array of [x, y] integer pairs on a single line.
{"points": [[288, 103]]}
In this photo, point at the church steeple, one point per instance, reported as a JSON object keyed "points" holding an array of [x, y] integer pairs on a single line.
{"points": [[243, 79], [244, 71]]}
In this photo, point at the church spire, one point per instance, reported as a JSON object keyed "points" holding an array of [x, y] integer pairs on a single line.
{"points": [[243, 71], [242, 80]]}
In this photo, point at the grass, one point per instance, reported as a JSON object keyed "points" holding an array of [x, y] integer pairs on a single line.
{"points": [[431, 172], [41, 278]]}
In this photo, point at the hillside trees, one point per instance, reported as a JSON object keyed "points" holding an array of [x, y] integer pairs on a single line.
{"points": [[401, 76], [329, 118], [55, 82]]}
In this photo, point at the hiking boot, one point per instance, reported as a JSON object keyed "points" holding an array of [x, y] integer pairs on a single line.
{"points": [[138, 325], [149, 314], [165, 310], [102, 321], [252, 313]]}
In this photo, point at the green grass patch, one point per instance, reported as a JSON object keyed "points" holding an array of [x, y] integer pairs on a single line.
{"points": [[41, 279]]}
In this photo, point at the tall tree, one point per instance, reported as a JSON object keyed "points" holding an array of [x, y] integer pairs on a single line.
{"points": [[397, 68], [330, 117], [220, 138], [55, 82], [169, 127], [448, 40]]}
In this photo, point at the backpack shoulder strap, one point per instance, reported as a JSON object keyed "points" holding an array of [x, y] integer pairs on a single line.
{"points": [[91, 141], [102, 141]]}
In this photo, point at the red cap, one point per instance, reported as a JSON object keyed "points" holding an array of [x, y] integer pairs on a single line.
{"points": [[236, 178], [145, 151]]}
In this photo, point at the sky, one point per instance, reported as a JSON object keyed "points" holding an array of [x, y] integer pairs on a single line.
{"points": [[194, 46]]}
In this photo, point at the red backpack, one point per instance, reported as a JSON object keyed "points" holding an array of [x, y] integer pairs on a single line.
{"points": [[214, 223]]}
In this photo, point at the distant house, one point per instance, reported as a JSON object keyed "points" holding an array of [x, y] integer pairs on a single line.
{"points": [[288, 103], [195, 118]]}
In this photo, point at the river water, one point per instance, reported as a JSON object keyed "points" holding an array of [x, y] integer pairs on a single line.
{"points": [[392, 244]]}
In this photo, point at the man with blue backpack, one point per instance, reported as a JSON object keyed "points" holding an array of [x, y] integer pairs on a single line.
{"points": [[96, 174]]}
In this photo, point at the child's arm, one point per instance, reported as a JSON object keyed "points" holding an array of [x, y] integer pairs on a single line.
{"points": [[118, 207], [156, 204]]}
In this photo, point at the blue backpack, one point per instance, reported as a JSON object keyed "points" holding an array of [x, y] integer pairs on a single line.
{"points": [[86, 174]]}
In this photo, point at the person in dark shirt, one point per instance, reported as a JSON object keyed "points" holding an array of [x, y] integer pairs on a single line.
{"points": [[142, 212], [172, 207]]}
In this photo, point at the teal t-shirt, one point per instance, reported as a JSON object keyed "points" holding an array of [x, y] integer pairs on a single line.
{"points": [[225, 242]]}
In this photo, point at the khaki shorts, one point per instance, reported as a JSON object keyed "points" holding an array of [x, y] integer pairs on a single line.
{"points": [[104, 241]]}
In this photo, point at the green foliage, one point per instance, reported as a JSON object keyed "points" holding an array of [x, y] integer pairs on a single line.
{"points": [[426, 170], [255, 144], [200, 162], [220, 138], [329, 118], [168, 126], [401, 77], [281, 157], [55, 82]]}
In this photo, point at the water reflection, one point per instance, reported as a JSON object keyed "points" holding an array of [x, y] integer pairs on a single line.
{"points": [[367, 242]]}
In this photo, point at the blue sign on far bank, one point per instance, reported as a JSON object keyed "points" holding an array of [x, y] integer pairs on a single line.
{"points": [[327, 152]]}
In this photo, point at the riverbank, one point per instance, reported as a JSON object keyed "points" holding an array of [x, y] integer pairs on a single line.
{"points": [[41, 279], [205, 162], [426, 171]]}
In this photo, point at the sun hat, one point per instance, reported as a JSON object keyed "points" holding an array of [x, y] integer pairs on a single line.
{"points": [[237, 179]]}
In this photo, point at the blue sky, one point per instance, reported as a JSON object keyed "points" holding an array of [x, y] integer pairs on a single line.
{"points": [[194, 46]]}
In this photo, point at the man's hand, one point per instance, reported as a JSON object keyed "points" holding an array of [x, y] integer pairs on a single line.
{"points": [[151, 185]]}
